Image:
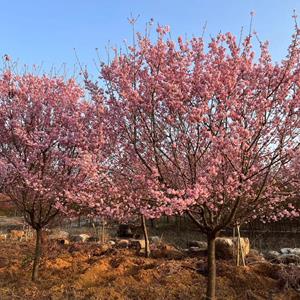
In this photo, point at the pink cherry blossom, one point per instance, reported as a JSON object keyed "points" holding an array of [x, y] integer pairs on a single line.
{"points": [[50, 147], [233, 116]]}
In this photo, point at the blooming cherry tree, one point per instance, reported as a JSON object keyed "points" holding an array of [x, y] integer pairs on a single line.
{"points": [[50, 142], [205, 129]]}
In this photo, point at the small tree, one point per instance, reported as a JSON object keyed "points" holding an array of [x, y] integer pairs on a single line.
{"points": [[125, 197], [128, 192], [207, 131], [49, 146]]}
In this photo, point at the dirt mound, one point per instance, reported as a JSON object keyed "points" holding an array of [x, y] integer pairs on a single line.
{"points": [[77, 273], [58, 264]]}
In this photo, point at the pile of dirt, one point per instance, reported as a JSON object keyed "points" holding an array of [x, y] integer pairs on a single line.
{"points": [[75, 272]]}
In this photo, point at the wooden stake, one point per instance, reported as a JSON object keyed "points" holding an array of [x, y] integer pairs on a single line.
{"points": [[233, 238], [240, 245], [238, 249]]}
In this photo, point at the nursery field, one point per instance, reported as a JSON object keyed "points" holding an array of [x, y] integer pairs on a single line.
{"points": [[169, 168]]}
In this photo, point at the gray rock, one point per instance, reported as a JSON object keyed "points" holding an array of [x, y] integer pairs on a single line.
{"points": [[199, 244], [58, 234], [80, 238], [84, 237], [272, 255], [194, 249], [285, 250], [226, 248], [295, 251], [155, 240], [289, 258], [138, 244], [112, 243], [123, 243]]}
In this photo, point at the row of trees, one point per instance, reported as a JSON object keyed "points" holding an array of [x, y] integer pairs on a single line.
{"points": [[172, 127]]}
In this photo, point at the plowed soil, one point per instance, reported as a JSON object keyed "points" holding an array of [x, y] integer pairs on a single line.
{"points": [[82, 272]]}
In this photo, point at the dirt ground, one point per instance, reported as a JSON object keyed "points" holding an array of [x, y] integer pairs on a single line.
{"points": [[81, 271]]}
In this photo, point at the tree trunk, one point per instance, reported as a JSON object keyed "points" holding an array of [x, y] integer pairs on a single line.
{"points": [[147, 246], [211, 279], [37, 255]]}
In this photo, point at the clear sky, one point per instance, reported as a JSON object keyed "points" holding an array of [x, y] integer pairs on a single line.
{"points": [[46, 31]]}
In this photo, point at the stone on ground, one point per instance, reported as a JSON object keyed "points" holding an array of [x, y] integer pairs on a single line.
{"points": [[123, 243], [58, 235], [199, 244], [154, 239], [226, 248]]}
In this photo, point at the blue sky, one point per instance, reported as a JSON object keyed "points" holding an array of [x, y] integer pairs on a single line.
{"points": [[36, 32]]}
